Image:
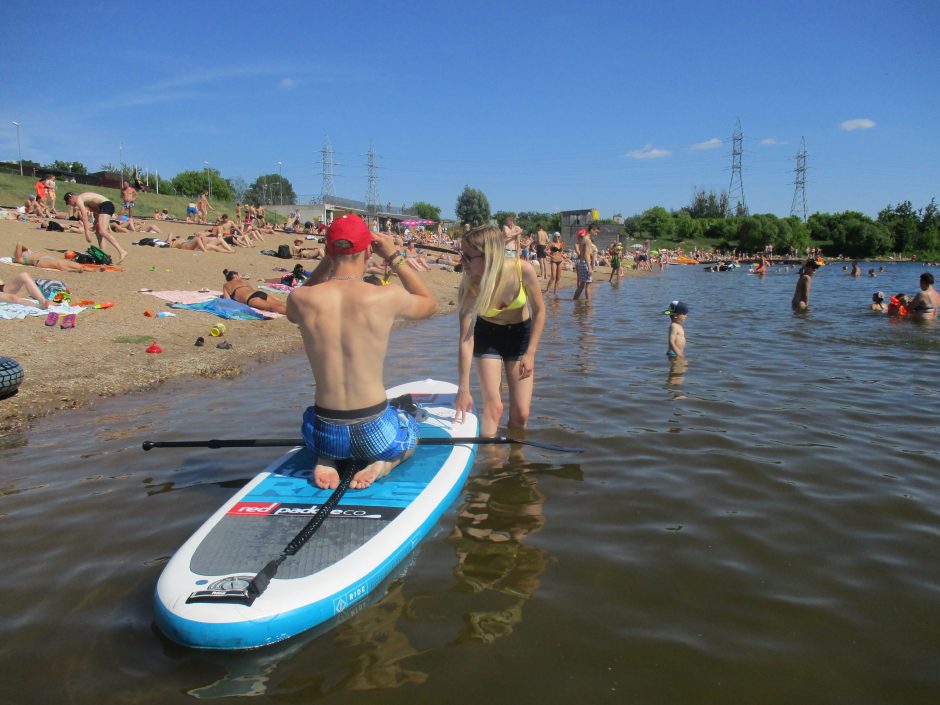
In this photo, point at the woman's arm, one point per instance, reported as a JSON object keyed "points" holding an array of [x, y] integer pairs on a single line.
{"points": [[533, 291], [464, 401]]}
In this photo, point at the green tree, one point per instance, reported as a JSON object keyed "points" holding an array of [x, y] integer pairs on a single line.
{"points": [[472, 207], [271, 189], [426, 211], [500, 216], [687, 228], [657, 223], [530, 221], [71, 167], [850, 234], [902, 222], [193, 183], [708, 205]]}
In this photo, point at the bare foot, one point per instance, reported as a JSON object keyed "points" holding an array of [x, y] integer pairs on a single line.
{"points": [[365, 477], [121, 258], [325, 475]]}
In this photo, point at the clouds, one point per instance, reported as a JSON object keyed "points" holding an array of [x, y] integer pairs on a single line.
{"points": [[772, 140], [857, 124], [287, 83], [648, 152], [707, 144]]}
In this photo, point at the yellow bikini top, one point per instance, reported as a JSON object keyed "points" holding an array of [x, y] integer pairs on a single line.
{"points": [[517, 302]]}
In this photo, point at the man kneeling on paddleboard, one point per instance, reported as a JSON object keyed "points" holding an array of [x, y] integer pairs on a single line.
{"points": [[345, 323]]}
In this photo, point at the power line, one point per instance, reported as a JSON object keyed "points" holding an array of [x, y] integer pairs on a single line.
{"points": [[326, 160], [736, 188], [799, 183]]}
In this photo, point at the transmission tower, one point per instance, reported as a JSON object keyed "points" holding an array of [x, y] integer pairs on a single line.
{"points": [[326, 161], [372, 194], [736, 188], [799, 191]]}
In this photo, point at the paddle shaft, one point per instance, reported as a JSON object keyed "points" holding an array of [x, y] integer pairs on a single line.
{"points": [[293, 442]]}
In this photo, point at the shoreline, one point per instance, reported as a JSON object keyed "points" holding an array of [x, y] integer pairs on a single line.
{"points": [[104, 355]]}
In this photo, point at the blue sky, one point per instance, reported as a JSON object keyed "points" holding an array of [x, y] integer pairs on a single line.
{"points": [[548, 106]]}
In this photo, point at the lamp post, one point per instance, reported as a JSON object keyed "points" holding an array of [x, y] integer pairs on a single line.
{"points": [[121, 162], [208, 179], [19, 149], [280, 187]]}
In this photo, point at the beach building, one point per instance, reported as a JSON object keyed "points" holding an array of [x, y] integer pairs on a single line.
{"points": [[573, 221]]}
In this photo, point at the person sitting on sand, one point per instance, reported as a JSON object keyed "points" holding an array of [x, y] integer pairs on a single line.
{"points": [[240, 290], [345, 325], [800, 300], [102, 209], [35, 208], [878, 302], [200, 243], [21, 281], [22, 255]]}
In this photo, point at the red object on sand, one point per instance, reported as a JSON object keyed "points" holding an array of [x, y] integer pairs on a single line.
{"points": [[154, 348], [148, 314]]}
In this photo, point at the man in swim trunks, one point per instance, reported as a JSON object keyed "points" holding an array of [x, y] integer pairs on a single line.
{"points": [[102, 209], [800, 300], [345, 324], [584, 248], [128, 196], [927, 300]]}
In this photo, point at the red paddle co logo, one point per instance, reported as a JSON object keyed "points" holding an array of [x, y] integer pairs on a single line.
{"points": [[268, 509]]}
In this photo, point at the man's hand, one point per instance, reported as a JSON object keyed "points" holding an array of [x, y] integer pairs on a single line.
{"points": [[384, 245]]}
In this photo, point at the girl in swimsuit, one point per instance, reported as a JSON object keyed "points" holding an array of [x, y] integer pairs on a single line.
{"points": [[501, 320], [240, 290], [556, 250]]}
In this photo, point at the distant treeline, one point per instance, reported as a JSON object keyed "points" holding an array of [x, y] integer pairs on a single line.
{"points": [[900, 229]]}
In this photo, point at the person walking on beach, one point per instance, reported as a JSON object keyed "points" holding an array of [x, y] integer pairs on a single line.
{"points": [[50, 194], [584, 249], [800, 300], [345, 324], [101, 210], [677, 313], [203, 207], [497, 329]]}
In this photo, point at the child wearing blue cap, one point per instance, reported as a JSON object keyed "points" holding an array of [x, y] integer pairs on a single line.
{"points": [[677, 313]]}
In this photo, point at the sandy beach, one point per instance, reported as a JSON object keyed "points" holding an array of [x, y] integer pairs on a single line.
{"points": [[105, 353]]}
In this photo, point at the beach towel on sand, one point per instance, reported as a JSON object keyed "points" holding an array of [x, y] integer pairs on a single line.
{"points": [[14, 312], [186, 297], [225, 308]]}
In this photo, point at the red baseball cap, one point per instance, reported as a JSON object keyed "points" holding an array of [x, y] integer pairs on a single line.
{"points": [[348, 235]]}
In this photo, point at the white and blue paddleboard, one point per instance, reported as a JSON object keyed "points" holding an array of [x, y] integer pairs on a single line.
{"points": [[368, 533]]}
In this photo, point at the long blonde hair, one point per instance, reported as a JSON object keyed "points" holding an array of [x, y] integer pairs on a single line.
{"points": [[488, 240]]}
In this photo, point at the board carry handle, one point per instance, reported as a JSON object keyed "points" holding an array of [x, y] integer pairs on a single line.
{"points": [[293, 442]]}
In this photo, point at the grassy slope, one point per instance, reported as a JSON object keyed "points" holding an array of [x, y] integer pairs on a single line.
{"points": [[15, 188]]}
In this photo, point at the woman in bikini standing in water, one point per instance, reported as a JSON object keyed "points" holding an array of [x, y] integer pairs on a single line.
{"points": [[556, 250], [497, 329], [240, 290]]}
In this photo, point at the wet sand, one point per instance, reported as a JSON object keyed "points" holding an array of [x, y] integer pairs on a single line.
{"points": [[105, 353]]}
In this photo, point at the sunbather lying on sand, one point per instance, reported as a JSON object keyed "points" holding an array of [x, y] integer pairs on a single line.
{"points": [[240, 290], [22, 255], [10, 289], [201, 243]]}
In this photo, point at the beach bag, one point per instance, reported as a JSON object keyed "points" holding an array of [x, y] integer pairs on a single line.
{"points": [[283, 251], [97, 255], [51, 287]]}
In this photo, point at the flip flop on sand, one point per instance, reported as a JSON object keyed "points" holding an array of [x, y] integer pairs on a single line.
{"points": [[52, 318], [68, 321]]}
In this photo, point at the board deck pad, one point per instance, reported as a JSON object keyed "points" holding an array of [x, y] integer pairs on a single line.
{"points": [[367, 534], [285, 501]]}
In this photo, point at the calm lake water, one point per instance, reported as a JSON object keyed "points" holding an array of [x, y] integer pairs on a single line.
{"points": [[761, 527]]}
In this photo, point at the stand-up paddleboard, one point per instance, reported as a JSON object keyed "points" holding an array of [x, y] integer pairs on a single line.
{"points": [[366, 535]]}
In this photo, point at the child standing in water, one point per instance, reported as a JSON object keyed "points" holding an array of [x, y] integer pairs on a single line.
{"points": [[677, 313]]}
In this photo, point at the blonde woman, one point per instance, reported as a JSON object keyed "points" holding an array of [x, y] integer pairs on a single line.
{"points": [[497, 328]]}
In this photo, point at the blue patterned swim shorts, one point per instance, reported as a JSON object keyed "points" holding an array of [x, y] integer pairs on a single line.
{"points": [[382, 435]]}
